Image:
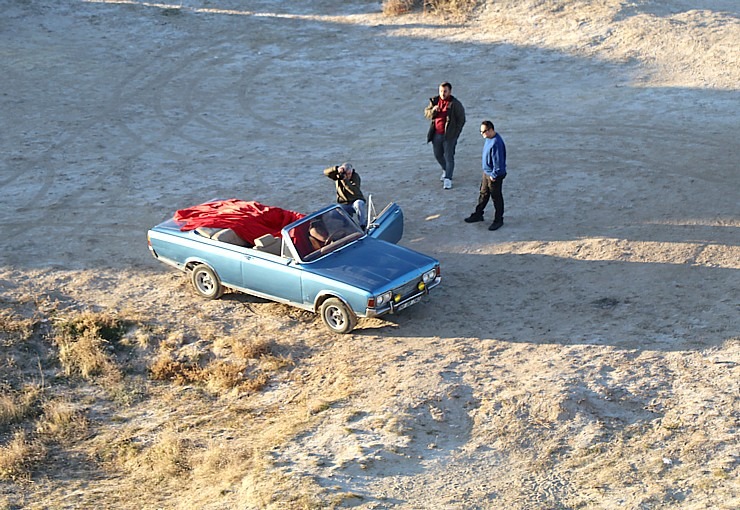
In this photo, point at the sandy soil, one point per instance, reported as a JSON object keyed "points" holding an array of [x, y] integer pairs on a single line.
{"points": [[607, 304]]}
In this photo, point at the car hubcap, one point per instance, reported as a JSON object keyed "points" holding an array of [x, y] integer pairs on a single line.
{"points": [[205, 282], [335, 317]]}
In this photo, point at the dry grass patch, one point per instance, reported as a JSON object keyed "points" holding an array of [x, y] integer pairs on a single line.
{"points": [[11, 322], [454, 9], [217, 376], [151, 461], [223, 375], [225, 459], [16, 406], [398, 7], [61, 420], [246, 365], [168, 457], [266, 486], [250, 349], [10, 410], [165, 368], [37, 423], [18, 457], [86, 344]]}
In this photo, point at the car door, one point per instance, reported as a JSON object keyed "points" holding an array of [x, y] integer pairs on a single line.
{"points": [[388, 225], [271, 276]]}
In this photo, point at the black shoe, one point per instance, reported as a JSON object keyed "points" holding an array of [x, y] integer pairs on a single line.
{"points": [[473, 218], [497, 224]]}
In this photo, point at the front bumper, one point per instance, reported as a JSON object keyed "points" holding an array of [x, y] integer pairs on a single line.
{"points": [[409, 300]]}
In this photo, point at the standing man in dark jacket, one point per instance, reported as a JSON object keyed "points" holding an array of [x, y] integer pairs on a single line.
{"points": [[493, 162], [448, 118]]}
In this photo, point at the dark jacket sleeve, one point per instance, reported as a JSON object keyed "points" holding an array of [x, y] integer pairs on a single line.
{"points": [[458, 113], [332, 173]]}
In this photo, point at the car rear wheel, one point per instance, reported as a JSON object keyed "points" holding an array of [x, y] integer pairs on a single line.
{"points": [[205, 282], [337, 316]]}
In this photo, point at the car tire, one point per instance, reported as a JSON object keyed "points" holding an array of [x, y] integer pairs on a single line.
{"points": [[337, 316], [206, 282]]}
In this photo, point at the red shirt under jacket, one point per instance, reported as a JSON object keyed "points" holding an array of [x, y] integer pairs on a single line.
{"points": [[441, 119]]}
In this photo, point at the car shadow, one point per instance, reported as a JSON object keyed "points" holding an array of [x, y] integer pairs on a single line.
{"points": [[547, 299]]}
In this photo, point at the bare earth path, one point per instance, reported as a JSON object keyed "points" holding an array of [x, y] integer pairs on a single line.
{"points": [[607, 305]]}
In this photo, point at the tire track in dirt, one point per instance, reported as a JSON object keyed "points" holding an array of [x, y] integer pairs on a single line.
{"points": [[123, 95], [50, 175]]}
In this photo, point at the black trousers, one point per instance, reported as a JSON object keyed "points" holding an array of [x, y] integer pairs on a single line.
{"points": [[491, 190]]}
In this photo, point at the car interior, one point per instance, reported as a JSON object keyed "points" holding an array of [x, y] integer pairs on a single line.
{"points": [[225, 235], [268, 243]]}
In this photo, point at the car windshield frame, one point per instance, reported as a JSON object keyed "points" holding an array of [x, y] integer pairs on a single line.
{"points": [[321, 233]]}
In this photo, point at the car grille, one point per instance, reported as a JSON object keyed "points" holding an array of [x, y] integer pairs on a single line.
{"points": [[407, 289]]}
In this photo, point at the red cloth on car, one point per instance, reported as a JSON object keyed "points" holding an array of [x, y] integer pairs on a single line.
{"points": [[249, 220]]}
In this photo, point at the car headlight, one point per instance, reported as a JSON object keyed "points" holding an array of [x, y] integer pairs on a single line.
{"points": [[384, 298], [429, 276]]}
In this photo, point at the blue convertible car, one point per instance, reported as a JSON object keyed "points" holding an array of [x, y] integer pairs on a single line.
{"points": [[323, 262]]}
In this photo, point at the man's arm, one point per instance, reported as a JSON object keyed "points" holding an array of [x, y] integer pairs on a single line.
{"points": [[496, 161], [431, 110], [459, 113], [332, 173], [488, 167]]}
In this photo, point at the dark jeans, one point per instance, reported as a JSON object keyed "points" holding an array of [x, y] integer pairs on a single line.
{"points": [[491, 189], [444, 152]]}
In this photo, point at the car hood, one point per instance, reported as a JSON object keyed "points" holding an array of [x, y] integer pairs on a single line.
{"points": [[371, 264]]}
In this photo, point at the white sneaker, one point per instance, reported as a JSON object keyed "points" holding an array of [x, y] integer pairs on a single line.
{"points": [[447, 184], [443, 177]]}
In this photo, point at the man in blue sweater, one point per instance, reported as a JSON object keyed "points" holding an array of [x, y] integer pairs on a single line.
{"points": [[494, 172]]}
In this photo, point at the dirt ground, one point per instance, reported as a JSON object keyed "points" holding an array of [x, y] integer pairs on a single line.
{"points": [[583, 356]]}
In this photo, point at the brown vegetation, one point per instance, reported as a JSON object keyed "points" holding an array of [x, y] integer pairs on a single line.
{"points": [[453, 9], [105, 350], [86, 344], [19, 456]]}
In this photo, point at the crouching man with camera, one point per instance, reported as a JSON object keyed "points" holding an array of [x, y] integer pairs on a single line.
{"points": [[349, 194]]}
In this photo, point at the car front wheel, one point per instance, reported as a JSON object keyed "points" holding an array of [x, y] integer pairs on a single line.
{"points": [[337, 316], [205, 282]]}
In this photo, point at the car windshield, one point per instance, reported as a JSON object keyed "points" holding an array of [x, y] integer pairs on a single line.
{"points": [[323, 234]]}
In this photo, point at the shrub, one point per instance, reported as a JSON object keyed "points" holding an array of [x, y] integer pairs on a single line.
{"points": [[17, 406], [397, 7], [61, 420], [17, 457], [446, 8], [86, 344]]}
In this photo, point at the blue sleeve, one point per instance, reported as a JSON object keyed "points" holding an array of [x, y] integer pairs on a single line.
{"points": [[498, 158], [488, 158]]}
